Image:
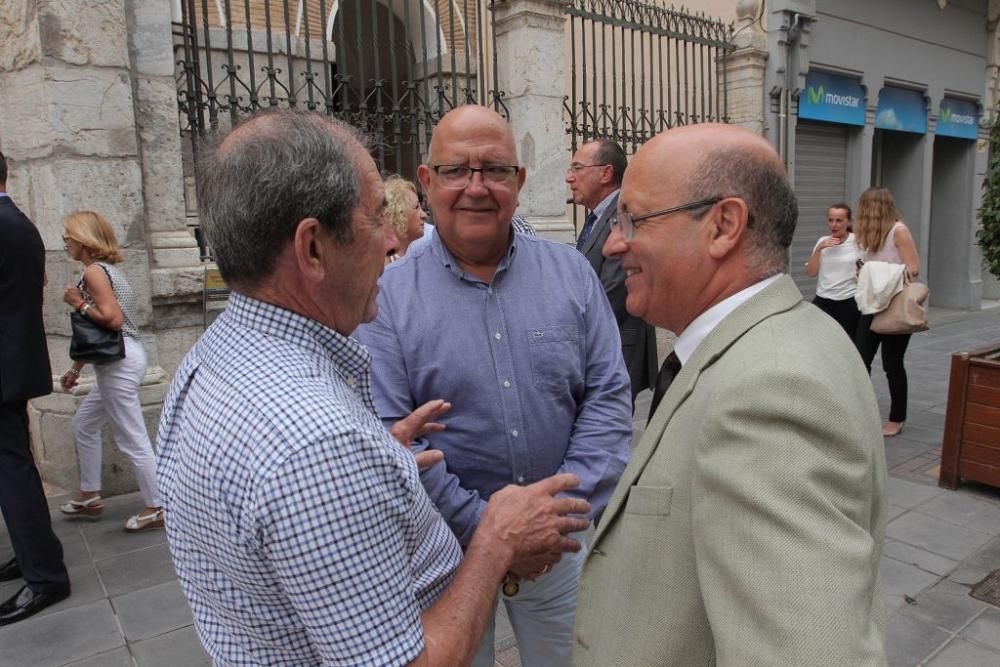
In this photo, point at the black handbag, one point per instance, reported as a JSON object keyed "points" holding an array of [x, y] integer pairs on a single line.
{"points": [[92, 343]]}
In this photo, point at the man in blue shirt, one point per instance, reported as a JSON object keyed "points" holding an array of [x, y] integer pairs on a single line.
{"points": [[298, 527], [517, 333]]}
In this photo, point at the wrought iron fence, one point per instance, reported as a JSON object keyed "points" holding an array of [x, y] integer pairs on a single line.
{"points": [[639, 68], [389, 67]]}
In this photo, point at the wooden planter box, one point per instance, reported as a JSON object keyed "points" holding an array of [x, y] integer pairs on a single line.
{"points": [[971, 448]]}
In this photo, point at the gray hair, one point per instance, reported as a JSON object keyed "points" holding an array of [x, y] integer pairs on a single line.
{"points": [[772, 207], [275, 170]]}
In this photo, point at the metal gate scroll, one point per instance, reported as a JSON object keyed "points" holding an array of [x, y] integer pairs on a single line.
{"points": [[639, 68]]}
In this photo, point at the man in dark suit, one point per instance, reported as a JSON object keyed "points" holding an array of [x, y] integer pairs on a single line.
{"points": [[24, 374], [595, 177]]}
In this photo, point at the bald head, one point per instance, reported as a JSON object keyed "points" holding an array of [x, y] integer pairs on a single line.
{"points": [[470, 120], [715, 160]]}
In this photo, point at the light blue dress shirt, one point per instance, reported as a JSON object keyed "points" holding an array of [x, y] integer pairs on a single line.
{"points": [[531, 363]]}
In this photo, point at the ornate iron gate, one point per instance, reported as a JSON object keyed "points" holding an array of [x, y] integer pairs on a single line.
{"points": [[389, 67], [639, 68]]}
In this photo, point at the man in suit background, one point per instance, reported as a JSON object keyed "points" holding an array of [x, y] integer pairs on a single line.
{"points": [[24, 374], [595, 177], [748, 525]]}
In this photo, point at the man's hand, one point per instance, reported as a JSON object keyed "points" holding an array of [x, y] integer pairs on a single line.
{"points": [[533, 568], [529, 522], [419, 423]]}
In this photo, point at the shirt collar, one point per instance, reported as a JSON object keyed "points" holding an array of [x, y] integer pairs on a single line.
{"points": [[605, 203], [703, 325], [350, 357], [448, 260]]}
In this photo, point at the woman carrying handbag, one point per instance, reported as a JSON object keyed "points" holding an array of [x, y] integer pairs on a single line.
{"points": [[106, 299], [881, 236]]}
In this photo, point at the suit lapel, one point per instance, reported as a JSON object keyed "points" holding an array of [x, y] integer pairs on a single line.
{"points": [[777, 298], [601, 228]]}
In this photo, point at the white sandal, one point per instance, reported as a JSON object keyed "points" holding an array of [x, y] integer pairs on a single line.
{"points": [[90, 508], [138, 523]]}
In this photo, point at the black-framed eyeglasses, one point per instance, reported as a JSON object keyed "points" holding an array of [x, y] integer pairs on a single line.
{"points": [[576, 166], [629, 222], [460, 175]]}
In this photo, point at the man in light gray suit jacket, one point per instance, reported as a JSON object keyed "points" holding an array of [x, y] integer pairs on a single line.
{"points": [[595, 177], [747, 528]]}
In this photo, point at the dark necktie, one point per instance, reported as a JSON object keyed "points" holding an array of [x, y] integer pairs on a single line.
{"points": [[668, 371], [588, 227]]}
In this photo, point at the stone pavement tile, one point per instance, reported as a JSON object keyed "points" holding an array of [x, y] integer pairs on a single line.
{"points": [[899, 579], [947, 605], [895, 511], [509, 658], [985, 629], [152, 611], [899, 450], [987, 558], [136, 570], [908, 494], [925, 560], [56, 639], [959, 653], [120, 657], [107, 537], [909, 640], [75, 551], [936, 535], [968, 575], [965, 510], [180, 647]]}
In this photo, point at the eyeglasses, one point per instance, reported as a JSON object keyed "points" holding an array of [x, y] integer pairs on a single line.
{"points": [[629, 222], [460, 175], [576, 167]]}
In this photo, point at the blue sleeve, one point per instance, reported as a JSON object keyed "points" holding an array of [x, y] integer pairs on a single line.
{"points": [[599, 444], [460, 507]]}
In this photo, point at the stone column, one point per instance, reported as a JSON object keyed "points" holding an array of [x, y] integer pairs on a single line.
{"points": [[88, 121], [745, 69], [532, 57]]}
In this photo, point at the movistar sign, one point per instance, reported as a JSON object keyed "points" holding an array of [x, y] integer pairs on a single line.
{"points": [[958, 118], [836, 99]]}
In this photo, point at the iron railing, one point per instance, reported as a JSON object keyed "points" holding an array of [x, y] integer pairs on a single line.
{"points": [[390, 67], [639, 68]]}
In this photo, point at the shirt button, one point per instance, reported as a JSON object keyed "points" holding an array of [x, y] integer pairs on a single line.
{"points": [[514, 432], [497, 335], [520, 479], [506, 383], [350, 380]]}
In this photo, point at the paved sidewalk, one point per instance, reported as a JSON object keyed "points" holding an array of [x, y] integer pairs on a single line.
{"points": [[127, 609]]}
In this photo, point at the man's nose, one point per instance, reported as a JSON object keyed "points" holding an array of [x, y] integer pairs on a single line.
{"points": [[615, 244], [477, 185]]}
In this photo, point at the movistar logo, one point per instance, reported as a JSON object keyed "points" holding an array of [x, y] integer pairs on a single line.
{"points": [[958, 118], [819, 95]]}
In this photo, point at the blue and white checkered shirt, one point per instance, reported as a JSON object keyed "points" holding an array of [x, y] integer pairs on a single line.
{"points": [[299, 528]]}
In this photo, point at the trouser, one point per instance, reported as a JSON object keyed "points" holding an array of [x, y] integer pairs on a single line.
{"points": [[36, 548], [844, 311], [115, 398], [542, 615], [893, 350]]}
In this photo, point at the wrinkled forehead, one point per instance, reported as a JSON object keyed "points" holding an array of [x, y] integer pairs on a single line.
{"points": [[459, 141]]}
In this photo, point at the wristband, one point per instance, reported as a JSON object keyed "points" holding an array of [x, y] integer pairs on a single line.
{"points": [[84, 308]]}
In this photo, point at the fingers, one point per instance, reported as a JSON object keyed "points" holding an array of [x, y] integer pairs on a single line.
{"points": [[431, 410], [570, 505], [428, 458], [558, 483], [568, 524]]}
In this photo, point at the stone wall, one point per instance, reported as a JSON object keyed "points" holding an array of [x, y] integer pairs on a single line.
{"points": [[88, 120]]}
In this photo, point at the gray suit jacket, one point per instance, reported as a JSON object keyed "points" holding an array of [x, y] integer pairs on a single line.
{"points": [[747, 528], [638, 338]]}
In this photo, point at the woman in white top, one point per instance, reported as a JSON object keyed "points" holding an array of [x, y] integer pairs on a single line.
{"points": [[105, 296], [834, 260], [403, 211], [882, 237]]}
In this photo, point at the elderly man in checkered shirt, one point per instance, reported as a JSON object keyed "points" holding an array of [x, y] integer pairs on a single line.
{"points": [[299, 528]]}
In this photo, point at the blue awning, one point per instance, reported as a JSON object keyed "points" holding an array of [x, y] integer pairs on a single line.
{"points": [[902, 110], [958, 118], [833, 98]]}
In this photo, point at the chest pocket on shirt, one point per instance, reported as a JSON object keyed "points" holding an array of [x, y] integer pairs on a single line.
{"points": [[555, 356]]}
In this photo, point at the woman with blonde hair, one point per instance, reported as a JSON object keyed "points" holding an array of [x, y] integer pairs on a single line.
{"points": [[104, 295], [881, 236], [404, 213]]}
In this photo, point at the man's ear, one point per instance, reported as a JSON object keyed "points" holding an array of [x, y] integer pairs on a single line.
{"points": [[728, 226], [424, 176], [308, 248]]}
